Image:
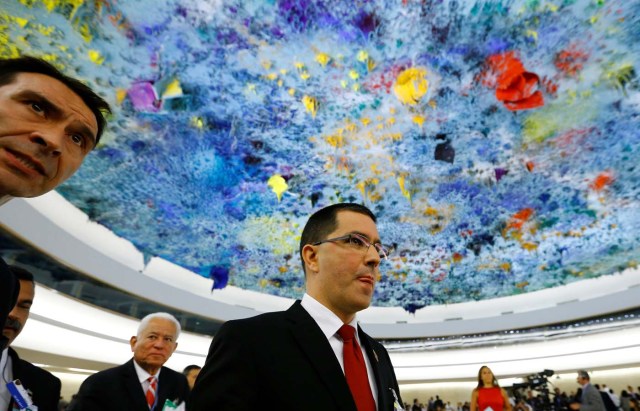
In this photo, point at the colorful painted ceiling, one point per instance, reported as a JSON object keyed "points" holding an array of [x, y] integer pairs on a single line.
{"points": [[496, 140]]}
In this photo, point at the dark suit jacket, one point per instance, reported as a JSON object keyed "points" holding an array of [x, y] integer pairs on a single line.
{"points": [[44, 386], [9, 288], [283, 361], [118, 389]]}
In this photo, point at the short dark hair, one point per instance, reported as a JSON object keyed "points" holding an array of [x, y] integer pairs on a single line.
{"points": [[20, 273], [324, 221], [9, 68], [190, 368], [583, 374]]}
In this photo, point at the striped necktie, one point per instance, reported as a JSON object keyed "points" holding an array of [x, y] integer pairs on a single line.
{"points": [[151, 391], [355, 370]]}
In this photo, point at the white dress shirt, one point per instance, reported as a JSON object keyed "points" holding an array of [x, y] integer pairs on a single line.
{"points": [[6, 369], [143, 377], [329, 323]]}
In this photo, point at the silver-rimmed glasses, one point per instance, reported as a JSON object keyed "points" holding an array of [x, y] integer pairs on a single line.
{"points": [[359, 242]]}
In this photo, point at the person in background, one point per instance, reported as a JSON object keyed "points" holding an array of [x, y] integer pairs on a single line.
{"points": [[43, 386], [590, 398], [625, 400], [488, 395], [142, 383], [314, 356], [191, 372], [49, 122]]}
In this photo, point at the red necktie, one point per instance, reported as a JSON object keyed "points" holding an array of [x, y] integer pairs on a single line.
{"points": [[355, 369], [151, 391]]}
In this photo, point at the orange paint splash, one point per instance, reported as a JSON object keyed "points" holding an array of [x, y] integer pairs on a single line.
{"points": [[519, 218], [602, 181]]}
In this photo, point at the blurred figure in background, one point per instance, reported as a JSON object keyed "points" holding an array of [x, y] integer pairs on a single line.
{"points": [[488, 396], [590, 399], [191, 372]]}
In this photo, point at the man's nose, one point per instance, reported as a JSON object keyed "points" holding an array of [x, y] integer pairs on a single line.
{"points": [[372, 257], [49, 140]]}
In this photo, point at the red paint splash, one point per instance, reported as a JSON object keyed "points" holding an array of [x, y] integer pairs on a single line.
{"points": [[515, 87], [570, 61]]}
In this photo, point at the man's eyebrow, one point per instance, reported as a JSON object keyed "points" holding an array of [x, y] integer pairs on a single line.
{"points": [[39, 98], [366, 236]]}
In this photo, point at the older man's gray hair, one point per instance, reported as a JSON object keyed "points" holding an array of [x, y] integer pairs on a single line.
{"points": [[165, 316]]}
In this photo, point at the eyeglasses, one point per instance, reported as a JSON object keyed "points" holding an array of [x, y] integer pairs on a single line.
{"points": [[359, 242]]}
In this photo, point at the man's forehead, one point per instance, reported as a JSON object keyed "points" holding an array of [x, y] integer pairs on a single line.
{"points": [[160, 326], [57, 93]]}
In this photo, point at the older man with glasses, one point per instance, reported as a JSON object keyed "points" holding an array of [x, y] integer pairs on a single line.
{"points": [[313, 356]]}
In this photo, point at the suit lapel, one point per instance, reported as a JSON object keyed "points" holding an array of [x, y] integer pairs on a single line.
{"points": [[376, 360], [318, 351], [164, 383], [133, 387]]}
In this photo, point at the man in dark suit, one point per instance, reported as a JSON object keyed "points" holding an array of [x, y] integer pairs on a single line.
{"points": [[142, 383], [49, 122], [298, 359], [43, 386]]}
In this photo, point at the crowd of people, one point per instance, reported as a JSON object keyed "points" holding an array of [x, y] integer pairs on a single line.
{"points": [[313, 356], [489, 396]]}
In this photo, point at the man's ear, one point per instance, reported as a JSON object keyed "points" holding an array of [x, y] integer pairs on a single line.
{"points": [[132, 342], [310, 257]]}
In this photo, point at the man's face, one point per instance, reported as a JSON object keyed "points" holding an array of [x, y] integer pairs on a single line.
{"points": [[581, 381], [20, 314], [155, 344], [46, 130], [339, 276]]}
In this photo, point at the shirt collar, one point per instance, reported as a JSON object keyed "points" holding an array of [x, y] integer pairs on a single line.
{"points": [[328, 322], [142, 374]]}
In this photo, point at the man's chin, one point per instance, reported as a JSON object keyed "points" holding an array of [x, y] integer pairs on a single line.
{"points": [[9, 334]]}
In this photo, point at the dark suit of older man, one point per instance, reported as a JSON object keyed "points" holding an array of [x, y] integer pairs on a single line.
{"points": [[119, 389]]}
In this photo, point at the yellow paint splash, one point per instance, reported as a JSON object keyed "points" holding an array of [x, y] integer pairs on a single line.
{"points": [[411, 85], [173, 90], [85, 33], [278, 185], [96, 57], [362, 56], [419, 120], [197, 122], [120, 95], [310, 104], [354, 75], [323, 59], [405, 192]]}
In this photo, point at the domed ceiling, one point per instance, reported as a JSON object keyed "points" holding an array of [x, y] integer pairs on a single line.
{"points": [[497, 141]]}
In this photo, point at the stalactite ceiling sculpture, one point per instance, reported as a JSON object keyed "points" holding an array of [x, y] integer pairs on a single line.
{"points": [[497, 141]]}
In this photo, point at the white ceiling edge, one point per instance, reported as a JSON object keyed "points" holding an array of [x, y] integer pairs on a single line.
{"points": [[60, 325], [56, 227], [608, 349]]}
